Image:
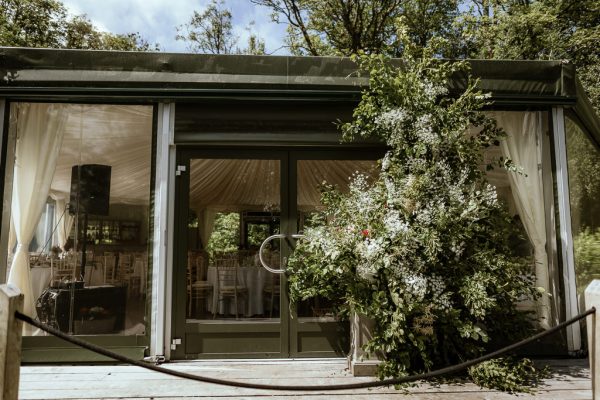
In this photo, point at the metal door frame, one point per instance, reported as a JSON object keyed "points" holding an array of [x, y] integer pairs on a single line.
{"points": [[288, 326]]}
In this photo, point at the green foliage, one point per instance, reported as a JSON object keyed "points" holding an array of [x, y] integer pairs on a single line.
{"points": [[489, 29], [210, 31], [507, 374], [45, 23], [539, 30], [225, 236], [586, 248], [81, 34], [32, 23], [334, 27], [424, 249]]}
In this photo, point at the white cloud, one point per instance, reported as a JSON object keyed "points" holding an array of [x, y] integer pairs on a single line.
{"points": [[156, 20]]}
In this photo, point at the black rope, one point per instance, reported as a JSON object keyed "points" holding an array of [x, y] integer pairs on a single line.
{"points": [[386, 382]]}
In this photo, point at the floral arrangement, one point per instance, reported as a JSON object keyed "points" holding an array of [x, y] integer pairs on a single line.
{"points": [[423, 248]]}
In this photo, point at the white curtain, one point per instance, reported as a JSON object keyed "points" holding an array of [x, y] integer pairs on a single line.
{"points": [[39, 137], [12, 238], [523, 146], [206, 222], [62, 219]]}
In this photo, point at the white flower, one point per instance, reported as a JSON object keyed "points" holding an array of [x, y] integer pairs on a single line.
{"points": [[386, 161], [394, 224], [424, 130]]}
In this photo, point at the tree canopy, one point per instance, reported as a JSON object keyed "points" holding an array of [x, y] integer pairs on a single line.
{"points": [[489, 29], [46, 23], [211, 31]]}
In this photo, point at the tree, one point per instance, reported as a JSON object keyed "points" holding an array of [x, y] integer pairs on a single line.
{"points": [[345, 27], [210, 31], [32, 23], [541, 30], [490, 29], [82, 34], [45, 23]]}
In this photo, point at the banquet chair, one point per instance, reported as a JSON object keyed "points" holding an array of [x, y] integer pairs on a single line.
{"points": [[229, 286], [272, 289], [199, 290], [110, 269], [126, 274], [272, 292], [60, 271]]}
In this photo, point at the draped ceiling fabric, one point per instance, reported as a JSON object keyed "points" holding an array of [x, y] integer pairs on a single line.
{"points": [[115, 135], [235, 185], [253, 185], [40, 131]]}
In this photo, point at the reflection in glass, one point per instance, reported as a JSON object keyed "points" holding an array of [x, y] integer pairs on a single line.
{"points": [[234, 205], [312, 174], [87, 262], [583, 159]]}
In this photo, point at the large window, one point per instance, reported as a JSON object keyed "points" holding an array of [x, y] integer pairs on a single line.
{"points": [[583, 159], [78, 240]]}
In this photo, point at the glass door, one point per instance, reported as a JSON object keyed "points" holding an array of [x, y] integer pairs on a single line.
{"points": [[228, 305], [315, 330], [225, 304]]}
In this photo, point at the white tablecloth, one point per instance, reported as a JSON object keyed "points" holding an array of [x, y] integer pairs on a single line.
{"points": [[254, 279]]}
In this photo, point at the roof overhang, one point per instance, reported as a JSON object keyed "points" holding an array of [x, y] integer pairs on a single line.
{"points": [[115, 76]]}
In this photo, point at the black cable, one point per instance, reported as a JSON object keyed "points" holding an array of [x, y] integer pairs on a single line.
{"points": [[386, 382]]}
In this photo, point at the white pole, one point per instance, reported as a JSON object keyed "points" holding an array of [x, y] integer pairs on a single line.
{"points": [[592, 299], [11, 300]]}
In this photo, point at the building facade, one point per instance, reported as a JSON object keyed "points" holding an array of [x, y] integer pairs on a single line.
{"points": [[139, 191]]}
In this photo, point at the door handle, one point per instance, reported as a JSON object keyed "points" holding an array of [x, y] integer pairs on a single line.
{"points": [[264, 244]]}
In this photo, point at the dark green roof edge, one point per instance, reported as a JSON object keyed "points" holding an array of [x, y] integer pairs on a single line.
{"points": [[155, 76]]}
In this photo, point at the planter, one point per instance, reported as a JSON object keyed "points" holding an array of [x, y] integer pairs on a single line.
{"points": [[359, 362]]}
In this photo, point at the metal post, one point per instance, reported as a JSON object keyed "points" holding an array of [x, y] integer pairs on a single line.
{"points": [[11, 300], [566, 238]]}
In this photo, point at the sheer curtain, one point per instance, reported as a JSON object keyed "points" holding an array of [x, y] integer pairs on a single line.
{"points": [[206, 220], [62, 219], [40, 129], [523, 146]]}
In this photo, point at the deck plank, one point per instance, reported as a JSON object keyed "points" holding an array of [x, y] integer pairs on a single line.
{"points": [[569, 380]]}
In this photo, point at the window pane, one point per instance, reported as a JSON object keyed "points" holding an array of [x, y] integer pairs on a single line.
{"points": [[311, 175], [233, 208], [583, 159], [81, 186]]}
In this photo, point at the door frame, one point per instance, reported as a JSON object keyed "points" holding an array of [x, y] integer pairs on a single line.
{"points": [[287, 330]]}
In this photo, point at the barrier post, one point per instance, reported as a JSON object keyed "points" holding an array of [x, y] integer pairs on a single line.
{"points": [[11, 300], [592, 299]]}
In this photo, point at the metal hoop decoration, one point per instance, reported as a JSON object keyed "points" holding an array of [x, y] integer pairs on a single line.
{"points": [[260, 254], [264, 243]]}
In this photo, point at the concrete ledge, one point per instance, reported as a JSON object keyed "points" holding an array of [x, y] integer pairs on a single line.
{"points": [[363, 368]]}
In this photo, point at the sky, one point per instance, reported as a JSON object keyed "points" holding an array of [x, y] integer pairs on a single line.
{"points": [[156, 20]]}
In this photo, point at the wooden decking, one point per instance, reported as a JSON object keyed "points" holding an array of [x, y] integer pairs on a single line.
{"points": [[570, 380]]}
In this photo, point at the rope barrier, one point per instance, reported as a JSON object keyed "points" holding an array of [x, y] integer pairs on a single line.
{"points": [[386, 382]]}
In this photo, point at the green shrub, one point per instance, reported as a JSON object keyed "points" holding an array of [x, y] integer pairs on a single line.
{"points": [[423, 249]]}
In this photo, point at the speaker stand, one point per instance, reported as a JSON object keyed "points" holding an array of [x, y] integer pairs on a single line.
{"points": [[84, 246]]}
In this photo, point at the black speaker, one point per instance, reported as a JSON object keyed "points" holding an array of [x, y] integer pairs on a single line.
{"points": [[90, 189]]}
